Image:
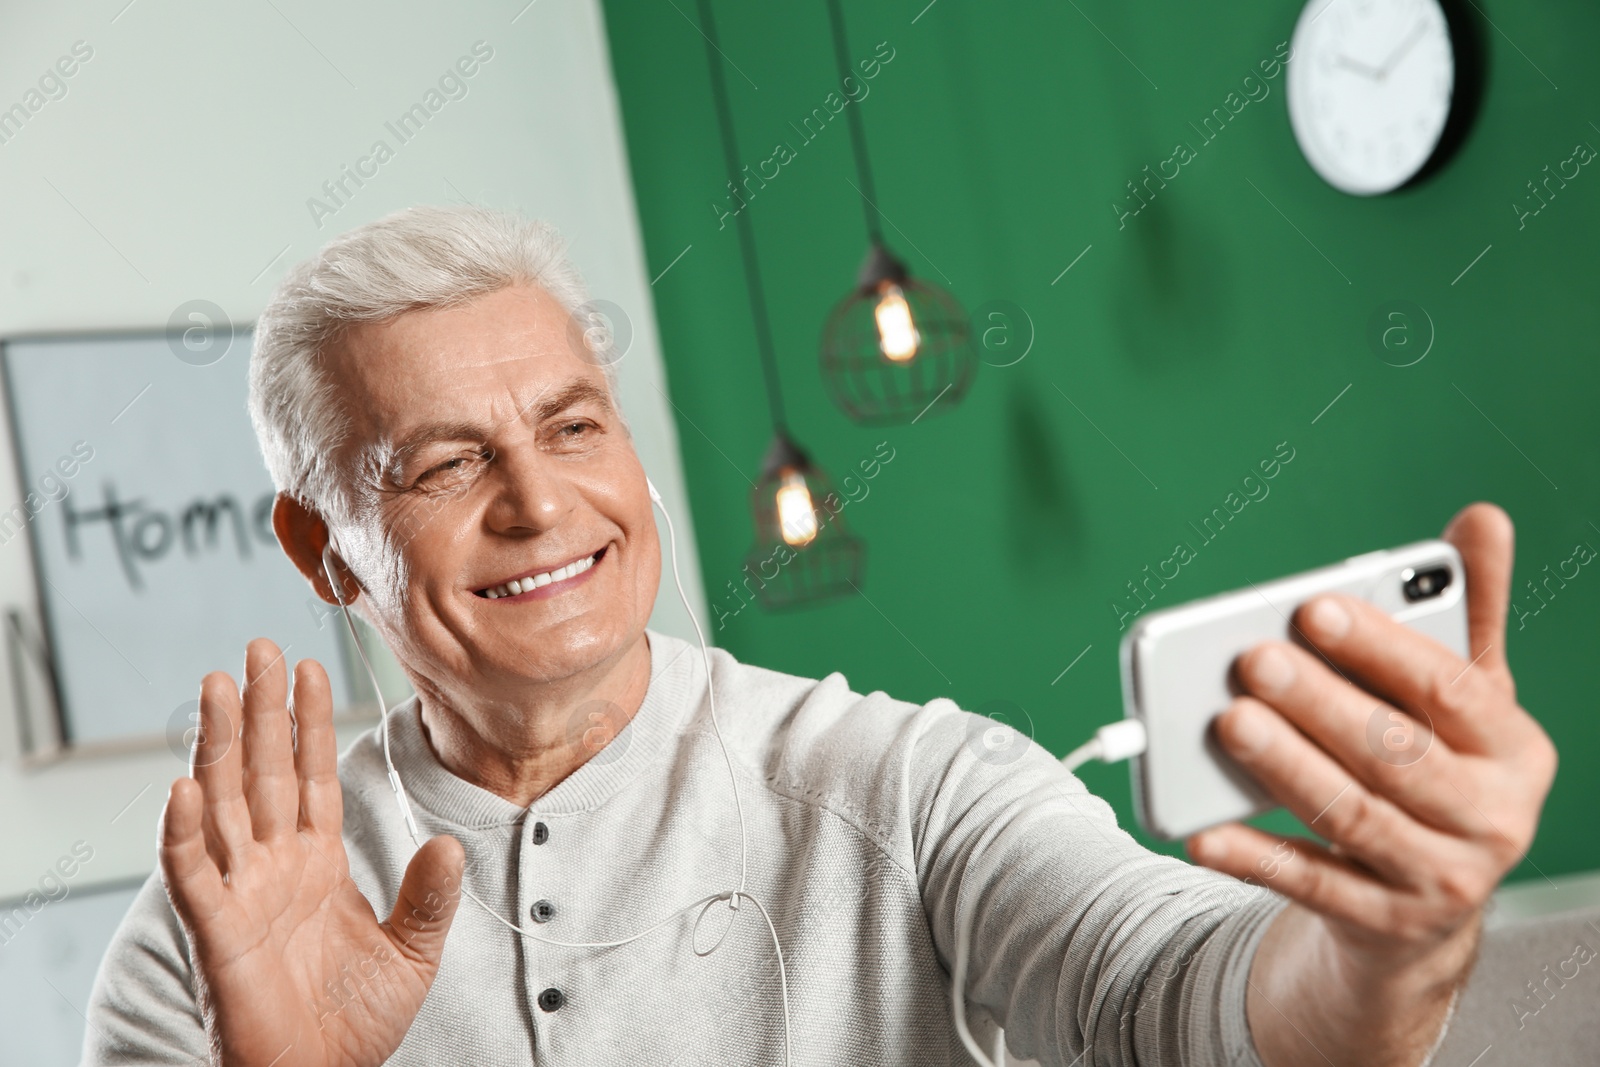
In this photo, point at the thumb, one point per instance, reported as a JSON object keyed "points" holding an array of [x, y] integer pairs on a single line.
{"points": [[1486, 539], [429, 895]]}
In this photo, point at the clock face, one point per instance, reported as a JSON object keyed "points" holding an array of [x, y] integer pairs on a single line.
{"points": [[1370, 83]]}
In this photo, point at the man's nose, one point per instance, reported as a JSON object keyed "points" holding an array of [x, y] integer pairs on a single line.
{"points": [[531, 490]]}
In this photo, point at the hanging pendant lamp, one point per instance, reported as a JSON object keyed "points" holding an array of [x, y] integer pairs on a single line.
{"points": [[802, 552], [896, 348]]}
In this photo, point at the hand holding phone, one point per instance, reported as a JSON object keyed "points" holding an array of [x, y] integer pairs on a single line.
{"points": [[1178, 677], [1387, 894]]}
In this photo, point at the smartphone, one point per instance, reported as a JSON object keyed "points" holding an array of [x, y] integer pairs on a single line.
{"points": [[1177, 672]]}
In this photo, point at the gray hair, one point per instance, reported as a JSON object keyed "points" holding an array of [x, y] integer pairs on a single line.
{"points": [[421, 257]]}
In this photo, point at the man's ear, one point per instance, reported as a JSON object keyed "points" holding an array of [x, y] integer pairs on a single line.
{"points": [[304, 537]]}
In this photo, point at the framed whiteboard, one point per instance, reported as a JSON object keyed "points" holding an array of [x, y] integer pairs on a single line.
{"points": [[148, 509]]}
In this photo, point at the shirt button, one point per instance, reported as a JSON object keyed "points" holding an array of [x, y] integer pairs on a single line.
{"points": [[541, 833], [543, 911], [552, 999]]}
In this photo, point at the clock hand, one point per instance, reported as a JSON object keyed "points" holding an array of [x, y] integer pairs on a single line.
{"points": [[1362, 69], [1400, 52]]}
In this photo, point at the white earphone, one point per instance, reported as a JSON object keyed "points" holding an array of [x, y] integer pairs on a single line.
{"points": [[732, 896]]}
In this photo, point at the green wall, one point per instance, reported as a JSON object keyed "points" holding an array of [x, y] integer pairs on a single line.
{"points": [[1196, 336]]}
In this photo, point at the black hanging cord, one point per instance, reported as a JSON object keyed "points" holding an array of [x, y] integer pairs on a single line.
{"points": [[858, 134], [747, 237]]}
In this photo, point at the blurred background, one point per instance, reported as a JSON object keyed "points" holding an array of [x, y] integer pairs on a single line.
{"points": [[1134, 345]]}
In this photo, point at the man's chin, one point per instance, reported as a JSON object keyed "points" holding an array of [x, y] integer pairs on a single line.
{"points": [[555, 657]]}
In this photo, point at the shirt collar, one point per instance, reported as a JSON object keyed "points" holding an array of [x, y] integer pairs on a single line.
{"points": [[432, 787]]}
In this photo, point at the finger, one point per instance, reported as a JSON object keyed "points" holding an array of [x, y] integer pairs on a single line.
{"points": [[426, 905], [270, 787], [316, 756], [1486, 539], [1322, 794], [216, 760], [1301, 870], [1411, 669], [1378, 744], [192, 881]]}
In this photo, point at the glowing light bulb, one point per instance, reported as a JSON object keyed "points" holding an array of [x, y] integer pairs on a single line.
{"points": [[897, 333], [797, 518]]}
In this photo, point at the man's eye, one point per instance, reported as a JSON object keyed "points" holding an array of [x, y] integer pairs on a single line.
{"points": [[454, 466], [576, 431]]}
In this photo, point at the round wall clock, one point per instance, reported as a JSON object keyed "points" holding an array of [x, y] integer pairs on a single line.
{"points": [[1372, 86]]}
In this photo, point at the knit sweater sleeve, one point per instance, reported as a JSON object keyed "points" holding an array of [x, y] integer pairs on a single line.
{"points": [[143, 1009], [1081, 937]]}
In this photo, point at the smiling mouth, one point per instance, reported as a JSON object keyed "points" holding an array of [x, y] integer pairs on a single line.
{"points": [[529, 582]]}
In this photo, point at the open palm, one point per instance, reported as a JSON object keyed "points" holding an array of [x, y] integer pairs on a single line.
{"points": [[291, 963]]}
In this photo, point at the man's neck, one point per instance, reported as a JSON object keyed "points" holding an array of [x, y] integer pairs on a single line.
{"points": [[523, 751]]}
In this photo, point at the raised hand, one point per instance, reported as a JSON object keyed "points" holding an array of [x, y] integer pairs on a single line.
{"points": [[1418, 834], [291, 964]]}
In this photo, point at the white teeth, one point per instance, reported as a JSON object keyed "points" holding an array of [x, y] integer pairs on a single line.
{"points": [[518, 586]]}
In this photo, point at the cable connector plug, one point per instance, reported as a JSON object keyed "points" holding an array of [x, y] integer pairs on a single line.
{"points": [[1112, 743], [1121, 740]]}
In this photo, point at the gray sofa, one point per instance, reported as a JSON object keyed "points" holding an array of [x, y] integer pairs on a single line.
{"points": [[1534, 997]]}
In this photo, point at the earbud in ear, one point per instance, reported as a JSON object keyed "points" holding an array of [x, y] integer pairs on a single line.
{"points": [[328, 557], [653, 494]]}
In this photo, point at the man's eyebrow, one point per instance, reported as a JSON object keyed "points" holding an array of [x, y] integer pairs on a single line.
{"points": [[575, 392], [578, 391], [434, 432]]}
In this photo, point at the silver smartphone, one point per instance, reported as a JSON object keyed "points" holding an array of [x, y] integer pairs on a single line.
{"points": [[1177, 672]]}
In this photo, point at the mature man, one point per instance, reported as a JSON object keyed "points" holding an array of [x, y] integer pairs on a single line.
{"points": [[440, 445]]}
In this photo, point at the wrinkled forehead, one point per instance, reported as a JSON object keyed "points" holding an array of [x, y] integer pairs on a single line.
{"points": [[499, 357]]}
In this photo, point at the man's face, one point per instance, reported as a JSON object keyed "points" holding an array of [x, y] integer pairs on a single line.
{"points": [[486, 451]]}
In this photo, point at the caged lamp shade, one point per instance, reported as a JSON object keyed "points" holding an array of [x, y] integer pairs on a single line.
{"points": [[802, 553], [896, 348]]}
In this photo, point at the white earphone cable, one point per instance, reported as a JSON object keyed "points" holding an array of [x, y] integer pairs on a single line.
{"points": [[732, 896]]}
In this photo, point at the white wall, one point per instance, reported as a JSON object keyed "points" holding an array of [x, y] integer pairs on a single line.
{"points": [[178, 166], [47, 970]]}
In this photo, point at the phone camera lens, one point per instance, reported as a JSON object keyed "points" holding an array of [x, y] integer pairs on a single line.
{"points": [[1426, 583]]}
